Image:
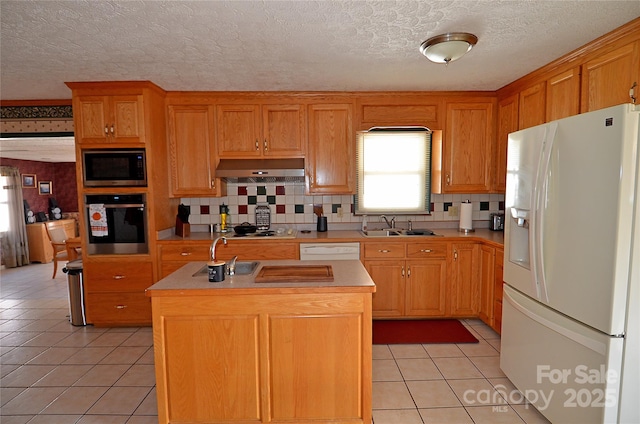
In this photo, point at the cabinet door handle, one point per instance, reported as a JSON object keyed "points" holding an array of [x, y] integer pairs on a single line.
{"points": [[448, 180], [408, 271], [112, 130], [121, 306], [185, 254], [266, 146], [118, 277], [106, 130], [455, 255], [257, 144], [425, 250], [402, 272], [384, 251]]}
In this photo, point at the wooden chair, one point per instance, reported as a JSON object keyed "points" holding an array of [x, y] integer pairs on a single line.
{"points": [[57, 236]]}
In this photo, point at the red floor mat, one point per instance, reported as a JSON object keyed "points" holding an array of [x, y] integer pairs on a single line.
{"points": [[421, 331]]}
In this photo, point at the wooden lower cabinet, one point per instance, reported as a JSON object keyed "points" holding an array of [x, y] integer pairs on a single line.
{"points": [[497, 291], [413, 283], [263, 358], [487, 272], [115, 291], [464, 274]]}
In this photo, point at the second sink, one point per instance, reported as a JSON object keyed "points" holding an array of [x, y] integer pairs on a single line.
{"points": [[242, 268]]}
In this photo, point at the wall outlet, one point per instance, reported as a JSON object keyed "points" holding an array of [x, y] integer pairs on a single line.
{"points": [[339, 212], [453, 211]]}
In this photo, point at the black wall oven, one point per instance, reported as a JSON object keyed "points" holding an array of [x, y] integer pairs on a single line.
{"points": [[116, 224]]}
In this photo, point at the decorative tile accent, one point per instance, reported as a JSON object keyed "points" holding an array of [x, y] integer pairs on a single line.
{"points": [[290, 205]]}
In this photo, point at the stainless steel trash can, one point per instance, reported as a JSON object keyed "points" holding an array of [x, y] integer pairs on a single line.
{"points": [[76, 292]]}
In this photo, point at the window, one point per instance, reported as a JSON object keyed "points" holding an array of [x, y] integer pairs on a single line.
{"points": [[393, 171]]}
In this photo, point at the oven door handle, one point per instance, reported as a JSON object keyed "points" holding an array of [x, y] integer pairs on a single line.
{"points": [[138, 205]]}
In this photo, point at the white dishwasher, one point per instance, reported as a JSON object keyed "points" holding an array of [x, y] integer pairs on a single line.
{"points": [[329, 251]]}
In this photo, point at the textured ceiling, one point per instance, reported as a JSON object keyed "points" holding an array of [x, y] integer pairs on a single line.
{"points": [[287, 45]]}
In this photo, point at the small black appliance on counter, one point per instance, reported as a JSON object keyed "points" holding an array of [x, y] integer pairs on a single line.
{"points": [[496, 222]]}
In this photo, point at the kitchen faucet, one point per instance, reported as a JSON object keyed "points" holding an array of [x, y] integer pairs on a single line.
{"points": [[392, 223], [212, 249], [231, 266]]}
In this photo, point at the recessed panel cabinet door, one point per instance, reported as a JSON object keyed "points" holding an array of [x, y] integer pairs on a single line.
{"points": [[331, 149], [467, 147], [465, 273], [191, 150], [606, 80], [388, 300], [220, 379], [426, 288], [110, 119], [284, 128], [238, 131]]}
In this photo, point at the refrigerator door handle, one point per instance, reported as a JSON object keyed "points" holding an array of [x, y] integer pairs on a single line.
{"points": [[539, 197], [585, 341]]}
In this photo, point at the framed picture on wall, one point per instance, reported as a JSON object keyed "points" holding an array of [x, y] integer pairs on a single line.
{"points": [[45, 187], [28, 181]]}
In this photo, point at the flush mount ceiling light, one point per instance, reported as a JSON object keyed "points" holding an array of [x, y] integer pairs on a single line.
{"points": [[448, 47]]}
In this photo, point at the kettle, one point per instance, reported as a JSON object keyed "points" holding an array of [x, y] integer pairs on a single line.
{"points": [[496, 222]]}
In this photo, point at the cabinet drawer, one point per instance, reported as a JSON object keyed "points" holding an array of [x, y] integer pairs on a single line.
{"points": [[384, 250], [118, 276], [184, 253], [118, 308], [426, 250]]}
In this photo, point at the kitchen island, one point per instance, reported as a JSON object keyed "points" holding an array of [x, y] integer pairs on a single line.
{"points": [[246, 351]]}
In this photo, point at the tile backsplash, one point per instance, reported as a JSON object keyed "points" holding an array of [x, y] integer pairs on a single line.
{"points": [[291, 207]]}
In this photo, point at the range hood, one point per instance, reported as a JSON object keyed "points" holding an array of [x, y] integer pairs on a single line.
{"points": [[260, 170]]}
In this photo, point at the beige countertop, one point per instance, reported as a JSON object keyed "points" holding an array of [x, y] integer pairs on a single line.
{"points": [[495, 238], [349, 276]]}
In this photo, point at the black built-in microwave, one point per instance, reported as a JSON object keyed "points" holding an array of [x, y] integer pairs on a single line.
{"points": [[114, 168]]}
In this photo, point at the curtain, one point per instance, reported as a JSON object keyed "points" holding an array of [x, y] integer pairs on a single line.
{"points": [[15, 248]]}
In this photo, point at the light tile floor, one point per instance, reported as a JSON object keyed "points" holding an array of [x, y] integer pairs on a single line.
{"points": [[52, 372]]}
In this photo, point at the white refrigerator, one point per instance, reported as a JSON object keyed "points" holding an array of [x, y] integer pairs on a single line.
{"points": [[571, 306]]}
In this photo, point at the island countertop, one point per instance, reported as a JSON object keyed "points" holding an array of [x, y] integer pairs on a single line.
{"points": [[348, 276]]}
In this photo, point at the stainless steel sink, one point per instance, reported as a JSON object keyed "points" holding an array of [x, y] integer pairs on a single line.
{"points": [[391, 232], [242, 268]]}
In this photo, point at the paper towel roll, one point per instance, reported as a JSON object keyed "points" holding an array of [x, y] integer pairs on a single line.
{"points": [[466, 216]]}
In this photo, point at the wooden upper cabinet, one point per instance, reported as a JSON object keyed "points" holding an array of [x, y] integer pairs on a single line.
{"points": [[330, 159], [532, 106], [507, 123], [192, 150], [606, 79], [238, 131], [249, 131], [284, 130], [467, 147], [563, 94], [109, 119], [399, 110]]}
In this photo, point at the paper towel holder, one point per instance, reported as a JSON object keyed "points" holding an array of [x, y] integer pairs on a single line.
{"points": [[470, 224]]}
